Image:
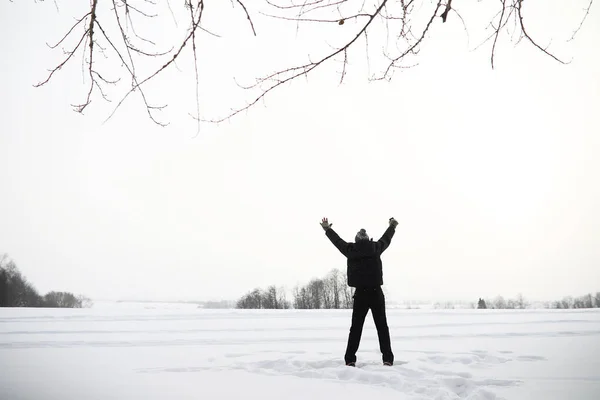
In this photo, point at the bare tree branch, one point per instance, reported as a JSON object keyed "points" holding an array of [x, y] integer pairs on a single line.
{"points": [[247, 16], [172, 13], [281, 77], [129, 6], [70, 54], [209, 32], [405, 24], [197, 117], [327, 21], [130, 21], [501, 25], [464, 24], [69, 32], [195, 24], [526, 35], [136, 85], [106, 80], [414, 46], [345, 63], [498, 31], [79, 108], [447, 10]]}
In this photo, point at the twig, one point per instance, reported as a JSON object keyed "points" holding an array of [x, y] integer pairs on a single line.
{"points": [[511, 13], [247, 16], [172, 13], [201, 6], [328, 21], [317, 7], [587, 12], [128, 16], [127, 6], [464, 25], [344, 66], [414, 46], [498, 31], [79, 108], [69, 32], [526, 35], [124, 37], [70, 54], [295, 5]]}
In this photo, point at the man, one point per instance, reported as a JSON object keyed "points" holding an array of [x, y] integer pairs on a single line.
{"points": [[365, 274]]}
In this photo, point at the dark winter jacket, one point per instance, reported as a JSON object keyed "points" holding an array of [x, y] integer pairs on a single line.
{"points": [[364, 267]]}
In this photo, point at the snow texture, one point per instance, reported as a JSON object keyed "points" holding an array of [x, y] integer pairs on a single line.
{"points": [[178, 351]]}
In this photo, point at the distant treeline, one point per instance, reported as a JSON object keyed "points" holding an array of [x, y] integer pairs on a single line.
{"points": [[16, 291], [325, 293], [332, 292], [500, 303], [569, 302], [270, 298], [586, 301]]}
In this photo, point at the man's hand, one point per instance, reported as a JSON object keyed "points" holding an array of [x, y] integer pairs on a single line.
{"points": [[393, 222], [325, 224]]}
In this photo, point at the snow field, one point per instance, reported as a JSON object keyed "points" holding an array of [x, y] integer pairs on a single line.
{"points": [[166, 351]]}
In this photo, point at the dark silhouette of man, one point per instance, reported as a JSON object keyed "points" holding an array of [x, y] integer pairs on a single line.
{"points": [[365, 274]]}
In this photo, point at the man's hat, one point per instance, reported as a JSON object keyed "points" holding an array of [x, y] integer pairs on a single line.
{"points": [[361, 235]]}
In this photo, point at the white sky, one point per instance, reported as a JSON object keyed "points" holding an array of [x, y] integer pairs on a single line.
{"points": [[492, 174]]}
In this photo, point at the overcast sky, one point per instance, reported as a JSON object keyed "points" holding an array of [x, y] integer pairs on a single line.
{"points": [[493, 175]]}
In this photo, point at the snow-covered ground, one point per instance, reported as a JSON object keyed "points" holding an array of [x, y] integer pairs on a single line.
{"points": [[178, 351]]}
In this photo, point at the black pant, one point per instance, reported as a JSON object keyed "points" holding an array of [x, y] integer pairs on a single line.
{"points": [[365, 299]]}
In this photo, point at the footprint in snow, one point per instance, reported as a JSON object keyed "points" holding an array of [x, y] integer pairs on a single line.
{"points": [[422, 381]]}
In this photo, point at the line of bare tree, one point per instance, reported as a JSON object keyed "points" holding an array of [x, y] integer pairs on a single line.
{"points": [[328, 292], [500, 303], [568, 302], [270, 298], [586, 301], [17, 291]]}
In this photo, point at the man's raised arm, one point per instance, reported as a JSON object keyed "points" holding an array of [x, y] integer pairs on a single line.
{"points": [[337, 241], [386, 239]]}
